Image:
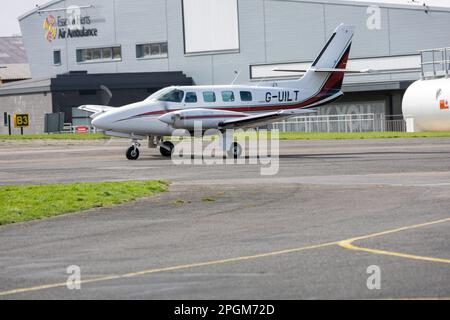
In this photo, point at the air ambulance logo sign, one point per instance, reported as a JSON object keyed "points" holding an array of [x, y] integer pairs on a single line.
{"points": [[50, 28], [70, 25]]}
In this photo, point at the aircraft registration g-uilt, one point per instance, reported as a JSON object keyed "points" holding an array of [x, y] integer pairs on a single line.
{"points": [[228, 107]]}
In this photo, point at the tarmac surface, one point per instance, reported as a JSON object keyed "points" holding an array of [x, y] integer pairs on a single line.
{"points": [[336, 215]]}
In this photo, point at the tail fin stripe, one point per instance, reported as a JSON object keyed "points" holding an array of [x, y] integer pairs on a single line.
{"points": [[323, 50], [335, 77]]}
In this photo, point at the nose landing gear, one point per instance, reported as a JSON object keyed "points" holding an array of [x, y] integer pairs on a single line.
{"points": [[133, 151]]}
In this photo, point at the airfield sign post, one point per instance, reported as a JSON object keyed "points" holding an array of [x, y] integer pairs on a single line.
{"points": [[21, 121], [9, 124]]}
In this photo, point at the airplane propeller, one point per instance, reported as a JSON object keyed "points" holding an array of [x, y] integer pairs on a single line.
{"points": [[106, 95]]}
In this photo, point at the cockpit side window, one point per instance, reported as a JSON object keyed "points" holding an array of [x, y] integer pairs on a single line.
{"points": [[172, 96]]}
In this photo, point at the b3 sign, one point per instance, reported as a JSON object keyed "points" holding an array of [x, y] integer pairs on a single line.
{"points": [[21, 120]]}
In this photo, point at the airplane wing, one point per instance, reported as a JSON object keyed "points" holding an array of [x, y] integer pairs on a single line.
{"points": [[263, 119], [95, 109]]}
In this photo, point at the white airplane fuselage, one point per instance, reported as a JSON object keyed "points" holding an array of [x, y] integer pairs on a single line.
{"points": [[146, 117]]}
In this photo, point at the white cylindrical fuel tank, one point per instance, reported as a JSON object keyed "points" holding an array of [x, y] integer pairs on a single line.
{"points": [[426, 105]]}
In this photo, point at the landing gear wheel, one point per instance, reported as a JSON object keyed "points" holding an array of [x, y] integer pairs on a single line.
{"points": [[132, 153], [235, 150], [166, 149]]}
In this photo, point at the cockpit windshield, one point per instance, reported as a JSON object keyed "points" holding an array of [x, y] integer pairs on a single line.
{"points": [[170, 94]]}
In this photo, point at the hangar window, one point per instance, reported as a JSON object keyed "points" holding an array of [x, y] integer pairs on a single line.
{"points": [[152, 50], [117, 53], [209, 96], [106, 53], [99, 54], [210, 26], [57, 57], [227, 96]]}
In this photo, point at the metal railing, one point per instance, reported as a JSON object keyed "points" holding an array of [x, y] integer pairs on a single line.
{"points": [[368, 122], [435, 63]]}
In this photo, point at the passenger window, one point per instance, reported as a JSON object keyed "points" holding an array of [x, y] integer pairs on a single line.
{"points": [[246, 96], [209, 96], [191, 97], [227, 96]]}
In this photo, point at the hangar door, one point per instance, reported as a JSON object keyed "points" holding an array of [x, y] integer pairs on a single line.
{"points": [[210, 25]]}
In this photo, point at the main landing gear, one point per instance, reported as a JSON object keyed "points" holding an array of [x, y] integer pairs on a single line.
{"points": [[166, 148], [235, 150], [230, 147]]}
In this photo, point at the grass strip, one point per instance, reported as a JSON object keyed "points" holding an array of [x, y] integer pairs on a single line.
{"points": [[20, 203]]}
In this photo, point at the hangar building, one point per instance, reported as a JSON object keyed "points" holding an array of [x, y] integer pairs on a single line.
{"points": [[215, 42]]}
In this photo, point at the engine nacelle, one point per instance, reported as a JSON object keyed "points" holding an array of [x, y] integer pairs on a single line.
{"points": [[209, 118]]}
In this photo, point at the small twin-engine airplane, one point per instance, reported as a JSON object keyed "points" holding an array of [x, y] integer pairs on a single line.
{"points": [[230, 106]]}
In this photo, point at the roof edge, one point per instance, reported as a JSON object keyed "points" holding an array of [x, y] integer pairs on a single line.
{"points": [[43, 6], [411, 6], [336, 2]]}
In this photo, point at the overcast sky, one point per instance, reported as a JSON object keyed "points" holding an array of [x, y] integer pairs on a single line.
{"points": [[14, 8]]}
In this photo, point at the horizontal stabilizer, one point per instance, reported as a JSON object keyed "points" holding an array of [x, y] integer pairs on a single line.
{"points": [[326, 70], [364, 71]]}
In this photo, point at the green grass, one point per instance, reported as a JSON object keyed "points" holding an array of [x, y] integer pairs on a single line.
{"points": [[56, 136], [30, 202]]}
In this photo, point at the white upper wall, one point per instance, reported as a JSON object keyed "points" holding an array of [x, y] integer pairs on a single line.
{"points": [[269, 31]]}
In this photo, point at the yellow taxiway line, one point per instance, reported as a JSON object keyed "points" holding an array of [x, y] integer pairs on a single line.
{"points": [[168, 269], [344, 243], [348, 244]]}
